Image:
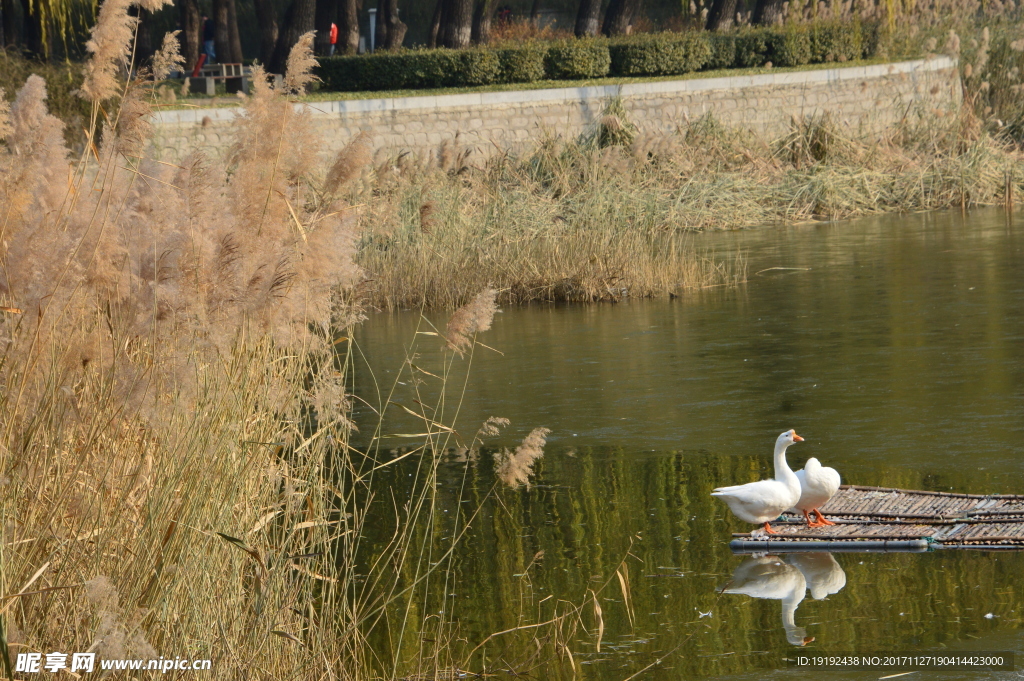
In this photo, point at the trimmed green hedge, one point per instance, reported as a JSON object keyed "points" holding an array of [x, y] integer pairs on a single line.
{"points": [[790, 46], [751, 47], [524, 64], [411, 70], [723, 51], [835, 41], [577, 59], [658, 54]]}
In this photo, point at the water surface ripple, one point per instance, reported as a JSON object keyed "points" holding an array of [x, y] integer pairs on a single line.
{"points": [[895, 346]]}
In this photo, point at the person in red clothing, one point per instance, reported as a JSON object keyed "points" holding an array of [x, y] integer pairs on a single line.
{"points": [[334, 37]]}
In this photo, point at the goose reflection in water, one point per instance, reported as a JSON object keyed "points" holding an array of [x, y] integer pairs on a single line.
{"points": [[787, 581]]}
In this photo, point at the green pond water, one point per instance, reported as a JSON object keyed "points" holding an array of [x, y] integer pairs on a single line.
{"points": [[895, 346]]}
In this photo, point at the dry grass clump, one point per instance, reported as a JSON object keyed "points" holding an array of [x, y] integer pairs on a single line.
{"points": [[565, 222], [515, 468], [171, 387]]}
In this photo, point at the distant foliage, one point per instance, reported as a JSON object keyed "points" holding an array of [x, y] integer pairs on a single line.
{"points": [[752, 47], [645, 54], [411, 69]]}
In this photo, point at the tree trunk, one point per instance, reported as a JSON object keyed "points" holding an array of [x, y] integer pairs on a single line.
{"points": [[10, 30], [33, 30], [619, 17], [535, 13], [722, 15], [482, 15], [191, 32], [456, 24], [266, 15], [390, 29], [326, 14], [234, 39], [300, 18], [143, 40], [435, 23], [768, 12], [348, 27], [588, 18], [221, 33]]}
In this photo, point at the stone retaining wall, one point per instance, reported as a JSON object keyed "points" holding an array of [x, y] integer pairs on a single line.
{"points": [[865, 98]]}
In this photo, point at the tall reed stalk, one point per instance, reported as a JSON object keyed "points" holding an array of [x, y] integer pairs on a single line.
{"points": [[171, 386], [177, 479]]}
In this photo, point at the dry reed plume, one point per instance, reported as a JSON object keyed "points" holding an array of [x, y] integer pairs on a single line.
{"points": [[470, 319], [171, 385], [174, 428], [515, 468]]}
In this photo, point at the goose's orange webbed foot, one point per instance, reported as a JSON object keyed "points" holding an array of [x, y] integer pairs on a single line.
{"points": [[812, 523], [768, 529], [822, 521]]}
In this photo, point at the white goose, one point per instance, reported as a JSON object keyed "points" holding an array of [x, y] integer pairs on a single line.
{"points": [[763, 501], [817, 485]]}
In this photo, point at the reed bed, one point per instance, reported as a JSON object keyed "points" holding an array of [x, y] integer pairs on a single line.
{"points": [[170, 386], [612, 214], [174, 361]]}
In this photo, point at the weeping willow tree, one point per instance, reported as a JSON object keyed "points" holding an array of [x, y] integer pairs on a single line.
{"points": [[51, 27]]}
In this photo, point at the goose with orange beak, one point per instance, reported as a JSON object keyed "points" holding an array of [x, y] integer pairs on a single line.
{"points": [[763, 501]]}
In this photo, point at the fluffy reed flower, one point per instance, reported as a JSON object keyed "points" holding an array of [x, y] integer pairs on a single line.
{"points": [[515, 468], [133, 127], [301, 62], [110, 47], [492, 426], [29, 183], [470, 319], [349, 162], [168, 58], [952, 46], [983, 52], [427, 220]]}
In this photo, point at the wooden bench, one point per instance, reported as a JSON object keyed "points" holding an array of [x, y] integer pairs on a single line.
{"points": [[235, 77]]}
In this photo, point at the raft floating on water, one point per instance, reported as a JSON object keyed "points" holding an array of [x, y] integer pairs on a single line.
{"points": [[890, 519]]}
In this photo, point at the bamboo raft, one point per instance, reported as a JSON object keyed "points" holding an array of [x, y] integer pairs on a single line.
{"points": [[890, 519]]}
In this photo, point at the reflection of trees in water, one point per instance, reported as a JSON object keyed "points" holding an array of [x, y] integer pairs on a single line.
{"points": [[585, 508]]}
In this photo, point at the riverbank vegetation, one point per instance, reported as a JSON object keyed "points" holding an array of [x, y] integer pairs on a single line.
{"points": [[175, 356], [607, 216], [174, 415]]}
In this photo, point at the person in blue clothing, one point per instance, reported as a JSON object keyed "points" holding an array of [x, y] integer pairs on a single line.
{"points": [[209, 33]]}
